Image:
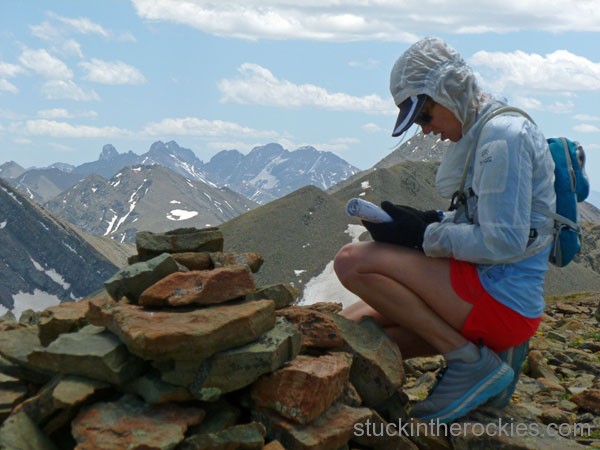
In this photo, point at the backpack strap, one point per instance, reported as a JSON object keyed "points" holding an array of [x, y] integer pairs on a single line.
{"points": [[460, 196]]}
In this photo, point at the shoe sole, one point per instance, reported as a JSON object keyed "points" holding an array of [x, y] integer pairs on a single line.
{"points": [[487, 388], [512, 356]]}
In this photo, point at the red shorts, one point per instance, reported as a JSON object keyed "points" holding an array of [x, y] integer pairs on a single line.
{"points": [[489, 322]]}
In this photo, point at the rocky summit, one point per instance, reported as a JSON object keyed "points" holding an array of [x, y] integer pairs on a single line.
{"points": [[183, 350]]}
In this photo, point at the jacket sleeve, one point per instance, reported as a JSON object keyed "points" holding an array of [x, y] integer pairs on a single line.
{"points": [[502, 181]]}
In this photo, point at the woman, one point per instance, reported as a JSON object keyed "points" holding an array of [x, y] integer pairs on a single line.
{"points": [[466, 284]]}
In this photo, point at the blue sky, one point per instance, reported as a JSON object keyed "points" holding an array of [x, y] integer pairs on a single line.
{"points": [[75, 75]]}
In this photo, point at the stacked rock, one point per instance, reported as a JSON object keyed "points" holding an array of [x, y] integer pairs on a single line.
{"points": [[182, 350]]}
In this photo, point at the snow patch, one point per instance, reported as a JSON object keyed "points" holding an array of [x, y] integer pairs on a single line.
{"points": [[299, 272], [327, 286], [175, 202], [52, 274], [38, 301], [181, 214], [365, 185], [2, 224], [354, 231]]}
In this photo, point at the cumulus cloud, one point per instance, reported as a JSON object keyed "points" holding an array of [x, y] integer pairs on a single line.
{"points": [[586, 128], [111, 72], [82, 25], [257, 85], [557, 71], [193, 126], [44, 64], [7, 86], [385, 20], [325, 21], [55, 113], [53, 128], [587, 118], [8, 70], [67, 90], [374, 128]]}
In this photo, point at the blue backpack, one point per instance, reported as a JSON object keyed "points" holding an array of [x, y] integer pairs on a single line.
{"points": [[571, 185]]}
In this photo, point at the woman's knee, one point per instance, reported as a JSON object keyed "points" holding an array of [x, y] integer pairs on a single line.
{"points": [[346, 260]]}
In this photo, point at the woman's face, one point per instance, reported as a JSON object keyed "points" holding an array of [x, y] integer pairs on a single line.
{"points": [[437, 119]]}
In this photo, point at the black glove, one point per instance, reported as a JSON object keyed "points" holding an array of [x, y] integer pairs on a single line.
{"points": [[406, 229]]}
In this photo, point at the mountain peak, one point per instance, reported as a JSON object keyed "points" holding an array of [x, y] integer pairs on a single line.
{"points": [[108, 152]]}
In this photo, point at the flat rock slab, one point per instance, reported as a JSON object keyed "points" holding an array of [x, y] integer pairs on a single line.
{"points": [[131, 423], [15, 347], [330, 431], [306, 387], [132, 280], [248, 436], [377, 369], [181, 240], [91, 352], [201, 287], [180, 334], [282, 294], [19, 432], [63, 318], [318, 330], [239, 367]]}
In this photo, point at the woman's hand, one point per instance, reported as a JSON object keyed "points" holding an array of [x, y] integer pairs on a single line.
{"points": [[407, 227]]}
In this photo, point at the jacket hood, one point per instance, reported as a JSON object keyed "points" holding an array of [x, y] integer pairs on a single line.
{"points": [[432, 67]]}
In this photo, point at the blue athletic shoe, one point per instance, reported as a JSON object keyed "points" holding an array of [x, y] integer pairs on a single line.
{"points": [[514, 357], [463, 386]]}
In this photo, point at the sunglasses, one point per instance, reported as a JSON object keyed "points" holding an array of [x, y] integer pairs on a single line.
{"points": [[424, 118]]}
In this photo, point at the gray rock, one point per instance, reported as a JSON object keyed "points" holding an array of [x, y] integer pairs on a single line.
{"points": [[249, 436], [15, 347], [377, 370], [90, 352], [19, 432], [282, 294], [181, 240], [132, 280], [234, 369]]}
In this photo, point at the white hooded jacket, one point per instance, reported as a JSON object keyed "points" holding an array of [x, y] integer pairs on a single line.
{"points": [[512, 169]]}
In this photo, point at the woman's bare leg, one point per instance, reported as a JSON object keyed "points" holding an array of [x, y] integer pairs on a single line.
{"points": [[407, 292]]}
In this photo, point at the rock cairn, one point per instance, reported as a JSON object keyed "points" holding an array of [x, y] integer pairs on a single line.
{"points": [[182, 350]]}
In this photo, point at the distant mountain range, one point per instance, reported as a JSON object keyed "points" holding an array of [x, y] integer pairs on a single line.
{"points": [[264, 174]]}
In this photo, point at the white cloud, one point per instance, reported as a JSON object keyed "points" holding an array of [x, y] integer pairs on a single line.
{"points": [[587, 117], [280, 19], [558, 71], [192, 126], [55, 113], [71, 47], [367, 64], [82, 25], [586, 128], [111, 72], [8, 70], [6, 86], [67, 90], [339, 145], [44, 64], [373, 128], [384, 20], [43, 127], [257, 85]]}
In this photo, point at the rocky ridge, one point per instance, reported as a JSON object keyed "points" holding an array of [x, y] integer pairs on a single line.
{"points": [[182, 350]]}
